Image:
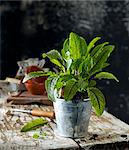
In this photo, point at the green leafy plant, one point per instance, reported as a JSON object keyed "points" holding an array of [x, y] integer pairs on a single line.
{"points": [[80, 64]]}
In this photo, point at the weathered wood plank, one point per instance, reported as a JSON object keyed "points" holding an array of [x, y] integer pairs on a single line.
{"points": [[106, 129], [102, 131], [12, 138], [27, 98]]}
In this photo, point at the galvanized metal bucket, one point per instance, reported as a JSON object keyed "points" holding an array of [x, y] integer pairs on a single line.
{"points": [[72, 117]]}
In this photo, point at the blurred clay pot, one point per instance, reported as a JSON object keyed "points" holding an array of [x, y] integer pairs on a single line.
{"points": [[35, 86]]}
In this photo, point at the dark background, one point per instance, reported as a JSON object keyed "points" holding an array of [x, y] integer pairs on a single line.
{"points": [[29, 28]]}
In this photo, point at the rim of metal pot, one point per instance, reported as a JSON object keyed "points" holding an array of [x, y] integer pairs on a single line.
{"points": [[61, 99]]}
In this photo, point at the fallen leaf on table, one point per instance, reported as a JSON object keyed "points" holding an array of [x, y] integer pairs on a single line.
{"points": [[34, 124]]}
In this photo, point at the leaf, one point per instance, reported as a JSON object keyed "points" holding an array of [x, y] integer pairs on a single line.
{"points": [[66, 54], [72, 86], [50, 84], [53, 54], [92, 83], [76, 64], [65, 48], [92, 44], [68, 60], [105, 65], [70, 89], [106, 75], [101, 59], [35, 135], [34, 124], [83, 46], [86, 65], [68, 64], [74, 46], [55, 58], [62, 80], [82, 85], [36, 75], [98, 49], [97, 100], [56, 62]]}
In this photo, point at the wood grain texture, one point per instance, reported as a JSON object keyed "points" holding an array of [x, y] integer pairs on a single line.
{"points": [[12, 138], [102, 130], [105, 130], [27, 98]]}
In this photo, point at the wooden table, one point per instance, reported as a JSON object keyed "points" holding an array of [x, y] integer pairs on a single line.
{"points": [[105, 132]]}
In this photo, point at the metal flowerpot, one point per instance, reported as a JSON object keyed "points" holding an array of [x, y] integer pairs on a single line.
{"points": [[72, 117]]}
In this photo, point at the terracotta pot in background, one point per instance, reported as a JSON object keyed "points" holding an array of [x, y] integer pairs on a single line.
{"points": [[35, 86]]}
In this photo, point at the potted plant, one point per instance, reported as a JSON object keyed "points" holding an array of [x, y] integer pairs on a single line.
{"points": [[73, 88]]}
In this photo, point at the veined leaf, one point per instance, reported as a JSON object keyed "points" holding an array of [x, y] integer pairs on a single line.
{"points": [[82, 85], [68, 60], [36, 75], [74, 46], [76, 64], [65, 48], [101, 59], [72, 86], [83, 46], [50, 84], [56, 62], [97, 100], [106, 75], [68, 64], [55, 58], [92, 44], [66, 54], [34, 124], [86, 65], [94, 53], [62, 81], [53, 54], [92, 83], [70, 89], [105, 65]]}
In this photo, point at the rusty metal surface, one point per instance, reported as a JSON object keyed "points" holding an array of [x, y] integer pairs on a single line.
{"points": [[102, 130]]}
